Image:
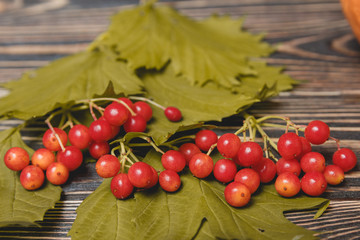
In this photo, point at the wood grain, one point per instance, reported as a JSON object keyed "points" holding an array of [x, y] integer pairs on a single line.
{"points": [[315, 45]]}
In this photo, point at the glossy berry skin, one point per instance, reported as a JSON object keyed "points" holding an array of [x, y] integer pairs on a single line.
{"points": [[313, 183], [345, 158], [154, 178], [312, 161], [201, 165], [306, 147], [237, 194], [143, 109], [204, 139], [127, 102], [16, 158], [79, 136], [107, 166], [249, 153], [121, 186], [173, 114], [266, 169], [169, 180], [173, 160], [32, 177], [51, 142], [225, 170], [100, 130], [57, 173], [42, 158], [287, 184], [228, 145], [114, 129], [249, 178], [140, 174], [333, 174], [288, 165], [189, 150], [317, 132], [289, 145], [97, 149], [135, 123], [116, 114], [71, 157]]}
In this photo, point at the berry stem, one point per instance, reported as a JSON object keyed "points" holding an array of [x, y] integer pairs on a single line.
{"points": [[92, 110], [212, 147], [337, 141], [108, 99], [152, 144], [148, 101], [47, 121]]}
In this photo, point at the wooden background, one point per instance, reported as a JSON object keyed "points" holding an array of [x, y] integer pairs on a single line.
{"points": [[315, 44]]}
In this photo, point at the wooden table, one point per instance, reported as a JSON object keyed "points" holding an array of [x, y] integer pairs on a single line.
{"points": [[315, 45]]}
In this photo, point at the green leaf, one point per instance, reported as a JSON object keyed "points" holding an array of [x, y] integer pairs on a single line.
{"points": [[80, 76], [20, 206], [212, 49], [198, 210]]}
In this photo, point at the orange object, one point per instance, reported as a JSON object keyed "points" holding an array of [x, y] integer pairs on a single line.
{"points": [[351, 9]]}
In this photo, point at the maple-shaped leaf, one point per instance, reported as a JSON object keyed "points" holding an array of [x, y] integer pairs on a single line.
{"points": [[80, 76], [18, 205], [197, 211], [214, 49]]}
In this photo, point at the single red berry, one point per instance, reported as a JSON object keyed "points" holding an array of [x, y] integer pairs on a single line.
{"points": [[71, 157], [289, 145], [32, 177], [16, 158], [249, 154], [306, 147], [173, 160], [237, 194], [225, 170], [154, 179], [228, 145], [345, 158], [169, 180], [317, 132], [173, 114], [313, 183], [140, 174], [107, 166], [249, 178], [97, 149], [135, 123], [143, 109], [79, 136], [189, 150], [57, 173], [334, 175], [42, 158], [288, 165], [100, 130], [201, 165], [287, 184], [204, 139], [121, 186], [312, 161], [266, 169], [116, 114], [51, 142]]}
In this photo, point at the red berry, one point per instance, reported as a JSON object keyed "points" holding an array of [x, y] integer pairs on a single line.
{"points": [[266, 169], [173, 114], [201, 165], [287, 184], [42, 158], [249, 154], [204, 139], [169, 180], [128, 102], [116, 114], [16, 158], [107, 166], [345, 158], [228, 145], [189, 150], [79, 136], [57, 173], [288, 165], [135, 123], [97, 149], [289, 145], [51, 142], [306, 147], [32, 177], [154, 179], [334, 175], [249, 178], [173, 160], [114, 129], [71, 157], [237, 194], [100, 130], [225, 170], [143, 109], [313, 183], [140, 174], [312, 161], [121, 186], [317, 132]]}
